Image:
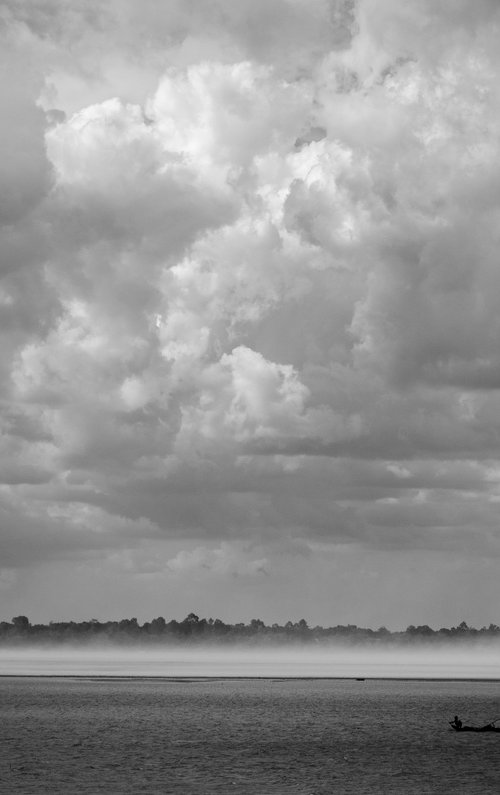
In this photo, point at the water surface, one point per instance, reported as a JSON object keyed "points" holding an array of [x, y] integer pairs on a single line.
{"points": [[263, 737]]}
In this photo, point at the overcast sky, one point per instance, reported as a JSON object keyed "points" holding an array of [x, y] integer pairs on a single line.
{"points": [[249, 310]]}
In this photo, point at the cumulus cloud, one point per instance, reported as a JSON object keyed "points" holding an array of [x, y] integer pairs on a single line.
{"points": [[249, 278]]}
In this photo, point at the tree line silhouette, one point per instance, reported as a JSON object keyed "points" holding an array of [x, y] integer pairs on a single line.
{"points": [[193, 629]]}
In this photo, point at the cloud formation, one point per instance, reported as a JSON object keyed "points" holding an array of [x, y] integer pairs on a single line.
{"points": [[248, 306]]}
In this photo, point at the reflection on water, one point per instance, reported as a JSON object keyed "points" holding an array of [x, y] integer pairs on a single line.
{"points": [[473, 662]]}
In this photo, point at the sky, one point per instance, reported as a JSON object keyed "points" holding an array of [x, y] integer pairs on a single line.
{"points": [[249, 323]]}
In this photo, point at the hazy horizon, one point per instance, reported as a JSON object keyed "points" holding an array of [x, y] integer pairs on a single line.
{"points": [[334, 661]]}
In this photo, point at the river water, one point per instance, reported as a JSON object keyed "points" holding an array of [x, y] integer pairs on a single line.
{"points": [[260, 736]]}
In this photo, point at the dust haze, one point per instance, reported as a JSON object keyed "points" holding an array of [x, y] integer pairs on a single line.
{"points": [[468, 661]]}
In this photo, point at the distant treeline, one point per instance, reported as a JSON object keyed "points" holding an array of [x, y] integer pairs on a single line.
{"points": [[214, 631]]}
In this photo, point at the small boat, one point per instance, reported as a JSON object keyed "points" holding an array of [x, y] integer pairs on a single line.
{"points": [[489, 727]]}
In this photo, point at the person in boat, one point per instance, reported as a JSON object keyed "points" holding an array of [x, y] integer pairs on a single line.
{"points": [[456, 723]]}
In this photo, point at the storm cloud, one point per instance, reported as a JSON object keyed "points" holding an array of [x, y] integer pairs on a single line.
{"points": [[249, 326]]}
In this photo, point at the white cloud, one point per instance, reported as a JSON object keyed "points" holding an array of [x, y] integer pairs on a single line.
{"points": [[226, 114]]}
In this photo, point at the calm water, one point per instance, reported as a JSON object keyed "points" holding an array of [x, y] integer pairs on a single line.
{"points": [[245, 736]]}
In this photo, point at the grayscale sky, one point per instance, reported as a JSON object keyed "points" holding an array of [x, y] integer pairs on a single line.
{"points": [[249, 310]]}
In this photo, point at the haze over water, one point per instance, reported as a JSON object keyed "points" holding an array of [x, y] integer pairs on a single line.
{"points": [[457, 662]]}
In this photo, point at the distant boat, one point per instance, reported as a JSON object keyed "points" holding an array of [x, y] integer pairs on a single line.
{"points": [[489, 727]]}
